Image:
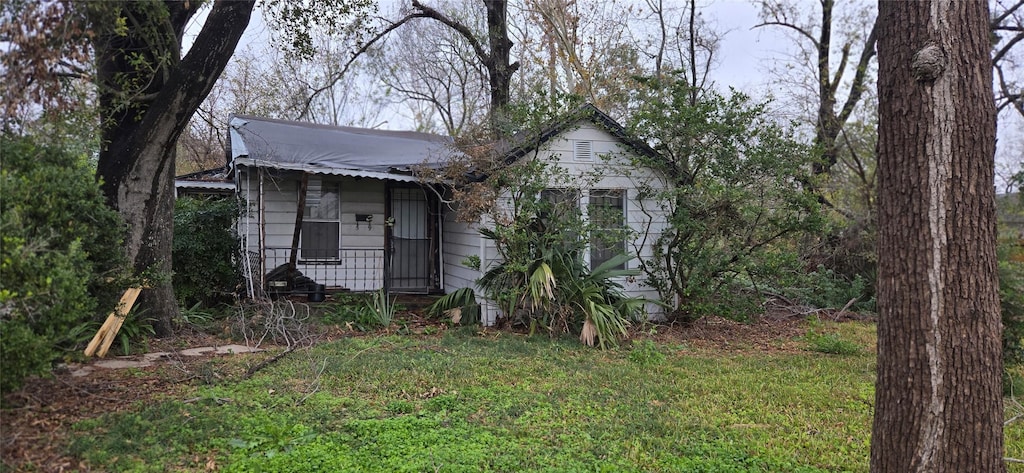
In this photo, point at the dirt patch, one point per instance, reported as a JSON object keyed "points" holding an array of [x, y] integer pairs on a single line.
{"points": [[716, 333], [37, 417], [35, 420]]}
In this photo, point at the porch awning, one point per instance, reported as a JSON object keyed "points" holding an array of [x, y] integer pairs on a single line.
{"points": [[246, 162], [347, 151]]}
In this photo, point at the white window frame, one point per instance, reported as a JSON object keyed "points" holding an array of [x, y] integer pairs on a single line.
{"points": [[623, 196], [315, 195]]}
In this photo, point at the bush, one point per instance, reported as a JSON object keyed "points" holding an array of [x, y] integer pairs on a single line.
{"points": [[827, 289], [205, 251], [1011, 299], [733, 195], [60, 244]]}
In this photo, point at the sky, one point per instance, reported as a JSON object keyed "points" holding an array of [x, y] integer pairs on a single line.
{"points": [[745, 57]]}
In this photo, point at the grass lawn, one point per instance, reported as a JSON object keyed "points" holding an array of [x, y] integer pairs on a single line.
{"points": [[466, 400]]}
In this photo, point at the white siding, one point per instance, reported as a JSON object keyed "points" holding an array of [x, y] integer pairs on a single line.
{"points": [[609, 168], [460, 241], [361, 267]]}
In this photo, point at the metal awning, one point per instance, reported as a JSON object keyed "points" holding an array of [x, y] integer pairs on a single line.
{"points": [[315, 169]]}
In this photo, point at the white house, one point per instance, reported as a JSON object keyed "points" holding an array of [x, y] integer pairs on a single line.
{"points": [[345, 206], [339, 204], [586, 142]]}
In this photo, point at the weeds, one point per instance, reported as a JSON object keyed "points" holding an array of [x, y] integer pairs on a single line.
{"points": [[352, 311], [645, 353], [382, 308], [831, 343], [363, 312], [459, 305], [462, 402]]}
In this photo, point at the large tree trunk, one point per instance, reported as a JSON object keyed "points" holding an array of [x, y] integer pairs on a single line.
{"points": [[938, 398], [141, 127], [499, 68]]}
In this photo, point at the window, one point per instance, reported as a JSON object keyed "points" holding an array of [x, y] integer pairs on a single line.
{"points": [[564, 204], [607, 213], [320, 238], [583, 150]]}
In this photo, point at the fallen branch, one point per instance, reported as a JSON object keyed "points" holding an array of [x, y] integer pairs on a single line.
{"points": [[843, 310], [269, 361]]}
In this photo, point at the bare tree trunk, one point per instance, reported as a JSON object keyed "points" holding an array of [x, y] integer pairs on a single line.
{"points": [[939, 398], [142, 124]]}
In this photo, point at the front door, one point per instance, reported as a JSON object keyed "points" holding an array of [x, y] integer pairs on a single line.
{"points": [[412, 241]]}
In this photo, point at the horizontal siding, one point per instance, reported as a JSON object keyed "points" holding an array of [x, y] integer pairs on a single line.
{"points": [[610, 168], [357, 197], [459, 241], [361, 264]]}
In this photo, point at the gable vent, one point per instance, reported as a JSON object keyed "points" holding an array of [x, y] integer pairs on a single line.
{"points": [[583, 150]]}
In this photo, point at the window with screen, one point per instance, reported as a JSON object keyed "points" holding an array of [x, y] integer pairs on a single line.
{"points": [[561, 205], [320, 238], [607, 213]]}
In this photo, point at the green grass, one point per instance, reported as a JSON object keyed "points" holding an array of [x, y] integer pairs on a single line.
{"points": [[502, 402]]}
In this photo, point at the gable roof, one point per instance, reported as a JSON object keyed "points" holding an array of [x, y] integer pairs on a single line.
{"points": [[359, 152], [528, 142]]}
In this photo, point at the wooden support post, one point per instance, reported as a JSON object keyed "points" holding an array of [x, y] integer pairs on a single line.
{"points": [[300, 209], [100, 343]]}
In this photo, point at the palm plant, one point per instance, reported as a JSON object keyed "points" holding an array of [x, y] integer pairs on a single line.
{"points": [[555, 289]]}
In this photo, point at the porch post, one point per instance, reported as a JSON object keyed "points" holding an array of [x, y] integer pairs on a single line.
{"points": [[299, 211], [388, 235]]}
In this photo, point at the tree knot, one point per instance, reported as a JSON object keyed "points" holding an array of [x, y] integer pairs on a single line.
{"points": [[928, 63]]}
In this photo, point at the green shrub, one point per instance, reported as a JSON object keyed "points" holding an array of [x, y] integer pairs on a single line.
{"points": [[205, 251], [60, 243], [1011, 299], [732, 195], [827, 289]]}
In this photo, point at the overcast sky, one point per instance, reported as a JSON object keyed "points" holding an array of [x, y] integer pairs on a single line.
{"points": [[743, 61]]}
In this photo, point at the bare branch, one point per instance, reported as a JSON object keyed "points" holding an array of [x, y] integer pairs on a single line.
{"points": [[859, 78], [356, 55], [1001, 53], [800, 31], [428, 12], [997, 21]]}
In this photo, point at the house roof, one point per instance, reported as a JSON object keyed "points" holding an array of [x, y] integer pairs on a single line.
{"points": [[206, 181], [527, 142], [358, 152]]}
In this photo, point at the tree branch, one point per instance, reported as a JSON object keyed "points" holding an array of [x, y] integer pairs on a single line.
{"points": [[458, 27], [1007, 47], [356, 55], [793, 27], [995, 24], [857, 88]]}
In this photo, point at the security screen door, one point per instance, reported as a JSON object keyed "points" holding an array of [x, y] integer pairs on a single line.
{"points": [[411, 242]]}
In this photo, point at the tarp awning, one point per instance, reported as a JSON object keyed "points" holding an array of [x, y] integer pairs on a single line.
{"points": [[349, 151]]}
